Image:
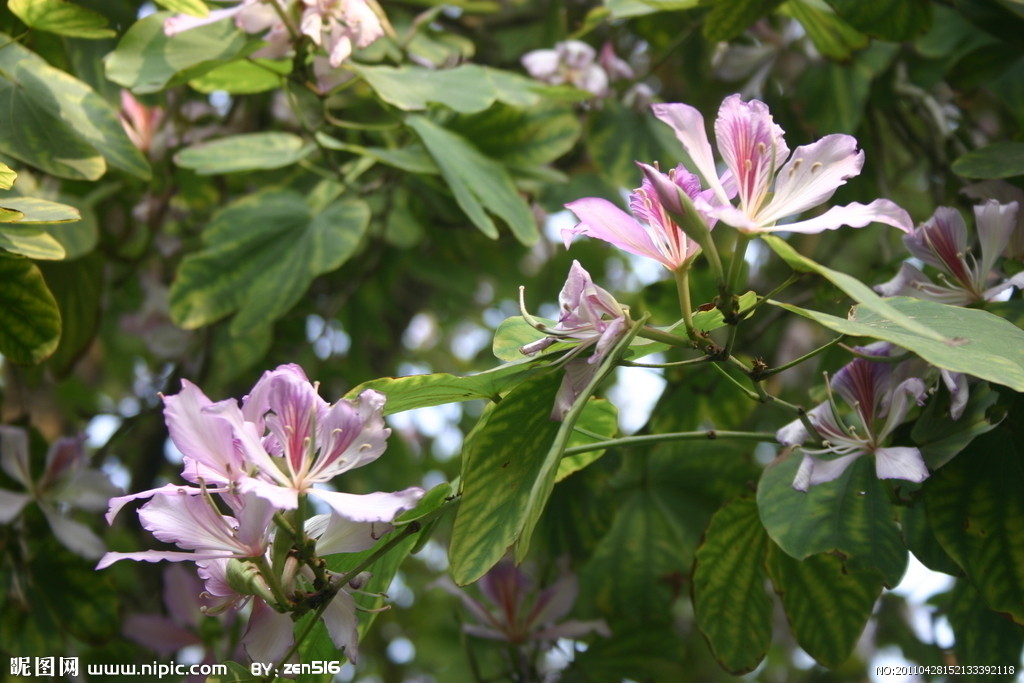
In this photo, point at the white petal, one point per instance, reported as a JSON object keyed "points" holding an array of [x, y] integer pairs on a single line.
{"points": [[73, 535], [270, 633], [812, 175], [342, 625], [688, 124], [370, 507], [900, 462], [855, 215], [14, 454]]}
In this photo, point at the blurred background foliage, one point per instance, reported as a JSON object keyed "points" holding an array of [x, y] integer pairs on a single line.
{"points": [[253, 216]]}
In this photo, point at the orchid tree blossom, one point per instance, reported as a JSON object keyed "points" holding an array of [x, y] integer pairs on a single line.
{"points": [[515, 611], [941, 242], [571, 62], [651, 230], [879, 404], [589, 316], [340, 26], [771, 184], [65, 483]]}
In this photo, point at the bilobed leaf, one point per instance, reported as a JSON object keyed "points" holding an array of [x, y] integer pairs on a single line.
{"points": [[244, 76], [893, 21], [7, 178], [146, 60], [34, 210], [854, 288], [827, 605], [977, 514], [850, 516], [259, 256], [467, 88], [477, 181], [977, 342], [246, 152], [999, 160], [30, 322], [728, 19], [57, 123], [732, 608], [61, 17]]}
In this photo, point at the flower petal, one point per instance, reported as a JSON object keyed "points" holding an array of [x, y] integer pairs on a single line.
{"points": [[855, 215], [370, 507], [342, 625], [688, 124], [201, 435], [14, 454], [601, 219], [752, 146], [900, 462], [995, 223], [337, 534], [812, 175], [815, 471], [270, 633]]}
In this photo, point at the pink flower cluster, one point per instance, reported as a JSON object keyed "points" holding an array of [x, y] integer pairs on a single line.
{"points": [[252, 465]]}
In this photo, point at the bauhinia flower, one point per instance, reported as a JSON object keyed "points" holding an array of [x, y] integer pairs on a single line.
{"points": [[941, 242], [879, 403], [66, 482], [653, 232], [771, 184], [590, 316], [255, 17], [514, 611], [340, 26], [571, 62]]}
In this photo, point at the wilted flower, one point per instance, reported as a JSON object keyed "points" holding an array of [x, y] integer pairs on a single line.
{"points": [[879, 403], [656, 235], [769, 187], [941, 242], [590, 316], [66, 482], [515, 611]]}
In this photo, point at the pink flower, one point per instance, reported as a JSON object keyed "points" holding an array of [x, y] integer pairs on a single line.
{"points": [[879, 405], [941, 242], [655, 235], [571, 62], [340, 26], [770, 183]]}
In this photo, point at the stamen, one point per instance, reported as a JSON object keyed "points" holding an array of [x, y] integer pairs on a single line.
{"points": [[816, 166]]}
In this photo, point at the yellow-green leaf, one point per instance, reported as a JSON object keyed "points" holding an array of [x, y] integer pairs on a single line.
{"points": [[61, 17]]}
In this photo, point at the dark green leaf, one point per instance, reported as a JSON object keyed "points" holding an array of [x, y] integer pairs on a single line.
{"points": [[977, 513], [922, 542], [477, 181], [898, 21], [247, 152], [981, 634], [940, 437], [998, 160], [617, 137], [850, 517], [77, 287], [826, 604], [733, 609], [831, 36], [30, 324], [977, 343]]}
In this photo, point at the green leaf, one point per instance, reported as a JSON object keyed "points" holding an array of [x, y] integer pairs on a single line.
{"points": [[981, 634], [431, 502], [467, 88], [836, 95], [59, 124], [832, 36], [259, 256], [7, 178], [31, 242], [146, 60], [884, 19], [850, 517], [854, 288], [600, 417], [61, 17], [998, 160], [35, 210], [246, 152], [940, 437], [733, 610], [244, 77], [197, 8], [728, 19], [922, 542], [30, 323], [621, 9], [977, 514], [236, 673], [979, 343], [617, 137], [477, 181], [645, 651], [77, 287]]}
